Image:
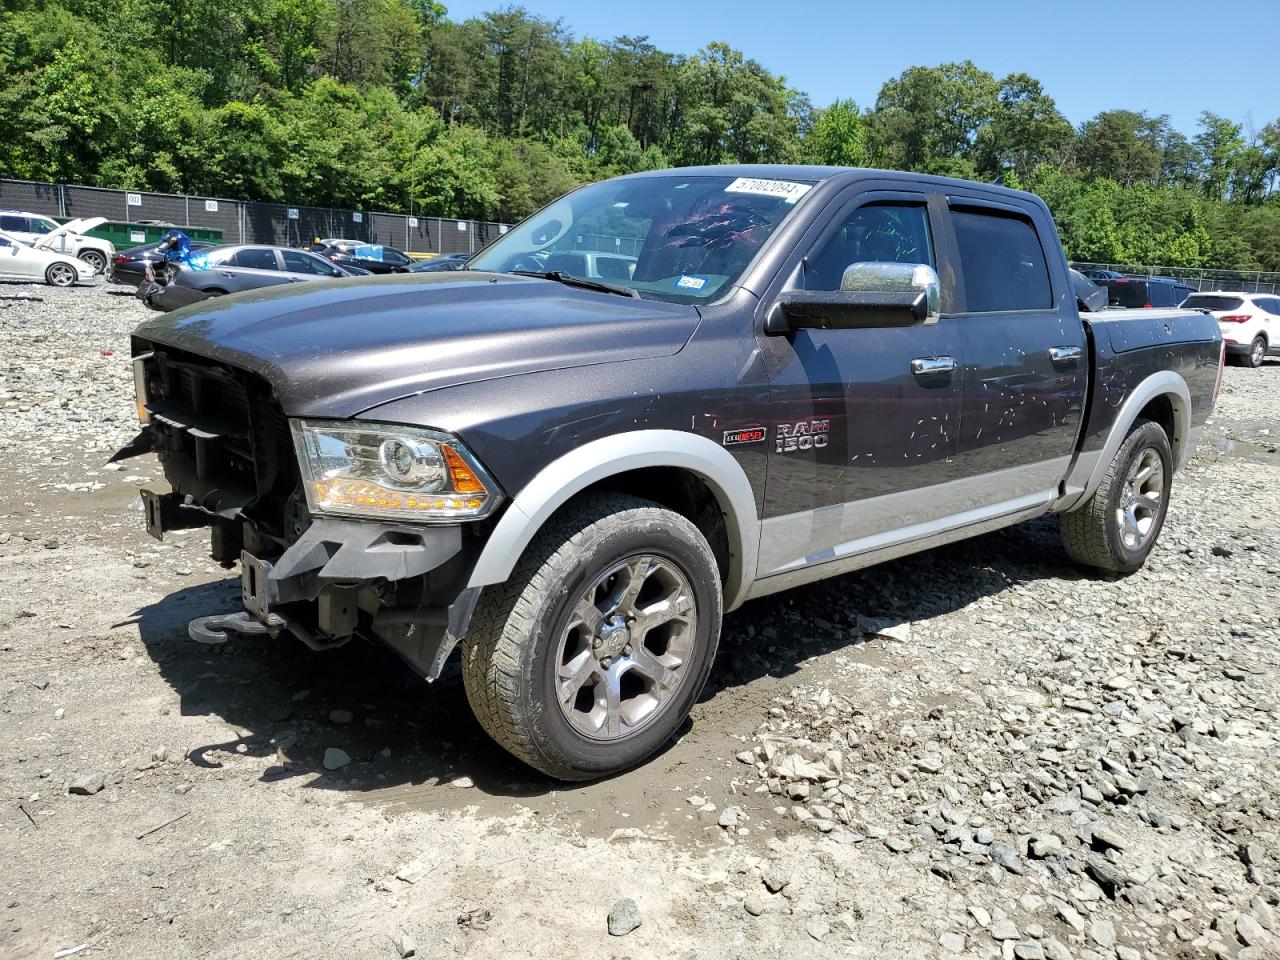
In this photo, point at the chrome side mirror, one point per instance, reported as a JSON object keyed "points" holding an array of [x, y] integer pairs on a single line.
{"points": [[873, 294], [878, 276]]}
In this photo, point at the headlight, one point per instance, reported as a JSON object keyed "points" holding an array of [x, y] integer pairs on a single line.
{"points": [[384, 470]]}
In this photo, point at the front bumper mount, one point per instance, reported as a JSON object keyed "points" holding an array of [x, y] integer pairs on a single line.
{"points": [[342, 567]]}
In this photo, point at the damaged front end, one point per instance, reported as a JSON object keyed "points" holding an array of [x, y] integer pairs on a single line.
{"points": [[312, 511]]}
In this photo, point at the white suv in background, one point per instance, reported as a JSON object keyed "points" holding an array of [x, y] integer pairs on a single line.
{"points": [[37, 230], [1250, 322]]}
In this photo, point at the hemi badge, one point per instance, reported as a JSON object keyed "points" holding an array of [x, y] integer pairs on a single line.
{"points": [[746, 435]]}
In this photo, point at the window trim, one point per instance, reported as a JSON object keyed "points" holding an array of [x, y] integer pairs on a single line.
{"points": [[1004, 211]]}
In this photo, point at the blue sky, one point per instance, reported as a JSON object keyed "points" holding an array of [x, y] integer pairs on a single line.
{"points": [[1174, 57]]}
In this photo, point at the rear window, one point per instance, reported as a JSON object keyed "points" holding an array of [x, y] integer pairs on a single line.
{"points": [[1208, 301], [1002, 263]]}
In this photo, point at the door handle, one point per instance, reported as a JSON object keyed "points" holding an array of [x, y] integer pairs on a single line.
{"points": [[224, 273], [932, 366], [1065, 355]]}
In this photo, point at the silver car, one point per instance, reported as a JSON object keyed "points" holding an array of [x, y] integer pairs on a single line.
{"points": [[232, 269]]}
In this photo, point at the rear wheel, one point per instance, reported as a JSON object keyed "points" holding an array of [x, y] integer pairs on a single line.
{"points": [[590, 657], [1118, 526], [95, 258], [1257, 351], [60, 274]]}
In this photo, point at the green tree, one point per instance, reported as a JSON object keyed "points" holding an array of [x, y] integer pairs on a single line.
{"points": [[929, 113], [838, 137], [1221, 144]]}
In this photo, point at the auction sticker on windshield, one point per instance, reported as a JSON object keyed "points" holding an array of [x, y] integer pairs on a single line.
{"points": [[783, 189]]}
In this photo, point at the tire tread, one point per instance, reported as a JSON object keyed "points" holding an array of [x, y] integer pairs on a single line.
{"points": [[507, 613], [1085, 530]]}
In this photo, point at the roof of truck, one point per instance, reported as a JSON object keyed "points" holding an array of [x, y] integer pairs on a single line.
{"points": [[798, 171]]}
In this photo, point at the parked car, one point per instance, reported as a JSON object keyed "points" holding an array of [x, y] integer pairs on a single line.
{"points": [[1102, 277], [373, 257], [232, 269], [68, 238], [442, 264], [129, 266], [20, 261], [1147, 292], [1250, 322], [592, 265], [574, 478]]}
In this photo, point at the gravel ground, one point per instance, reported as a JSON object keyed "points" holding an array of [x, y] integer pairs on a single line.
{"points": [[976, 752]]}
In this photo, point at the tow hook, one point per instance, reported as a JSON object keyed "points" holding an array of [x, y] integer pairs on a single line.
{"points": [[213, 630]]}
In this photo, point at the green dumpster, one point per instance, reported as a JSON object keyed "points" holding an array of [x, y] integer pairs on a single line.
{"points": [[124, 235]]}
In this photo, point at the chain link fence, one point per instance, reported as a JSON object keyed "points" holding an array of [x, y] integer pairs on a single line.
{"points": [[251, 222], [1244, 281]]}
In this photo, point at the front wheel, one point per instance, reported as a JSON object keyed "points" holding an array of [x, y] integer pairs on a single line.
{"points": [[60, 275], [592, 654], [1117, 527]]}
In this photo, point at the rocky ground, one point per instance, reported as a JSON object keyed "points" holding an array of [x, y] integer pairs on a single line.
{"points": [[976, 752]]}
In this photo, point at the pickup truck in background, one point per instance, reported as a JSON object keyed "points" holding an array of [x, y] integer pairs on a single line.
{"points": [[805, 371]]}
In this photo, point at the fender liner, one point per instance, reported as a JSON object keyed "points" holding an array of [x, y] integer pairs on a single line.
{"points": [[1086, 475], [572, 473]]}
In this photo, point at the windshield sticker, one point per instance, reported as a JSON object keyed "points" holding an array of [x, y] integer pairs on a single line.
{"points": [[692, 283], [783, 189]]}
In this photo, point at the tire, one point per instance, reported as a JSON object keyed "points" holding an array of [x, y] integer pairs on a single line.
{"points": [[1257, 352], [529, 641], [1094, 534], [60, 275], [96, 259]]}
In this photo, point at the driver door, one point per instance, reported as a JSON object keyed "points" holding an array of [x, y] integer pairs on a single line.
{"points": [[864, 421], [18, 260]]}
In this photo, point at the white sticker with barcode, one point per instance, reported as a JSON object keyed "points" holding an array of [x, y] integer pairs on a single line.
{"points": [[783, 189]]}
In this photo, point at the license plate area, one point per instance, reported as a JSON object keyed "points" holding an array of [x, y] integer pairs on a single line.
{"points": [[151, 506], [256, 587]]}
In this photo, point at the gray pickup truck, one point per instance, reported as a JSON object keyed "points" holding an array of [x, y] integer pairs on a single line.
{"points": [[802, 371]]}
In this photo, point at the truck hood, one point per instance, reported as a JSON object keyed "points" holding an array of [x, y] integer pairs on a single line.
{"points": [[71, 228], [334, 348]]}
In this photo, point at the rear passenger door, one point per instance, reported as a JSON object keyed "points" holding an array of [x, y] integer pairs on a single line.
{"points": [[1024, 354]]}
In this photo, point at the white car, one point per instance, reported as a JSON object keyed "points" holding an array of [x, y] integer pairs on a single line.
{"points": [[37, 230], [1250, 322], [18, 261]]}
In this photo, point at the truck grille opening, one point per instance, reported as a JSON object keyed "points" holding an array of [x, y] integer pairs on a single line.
{"points": [[222, 437]]}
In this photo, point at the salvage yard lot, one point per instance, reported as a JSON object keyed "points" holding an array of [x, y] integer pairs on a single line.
{"points": [[979, 751]]}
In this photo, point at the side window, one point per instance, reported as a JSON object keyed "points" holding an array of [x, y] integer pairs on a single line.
{"points": [[18, 224], [256, 258], [896, 233], [4, 242], [295, 261], [1002, 263], [41, 225], [1271, 305]]}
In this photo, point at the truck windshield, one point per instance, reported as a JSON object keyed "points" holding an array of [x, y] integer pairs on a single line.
{"points": [[685, 239]]}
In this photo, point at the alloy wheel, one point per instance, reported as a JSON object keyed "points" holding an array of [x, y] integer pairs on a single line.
{"points": [[622, 657], [1141, 499], [62, 275]]}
